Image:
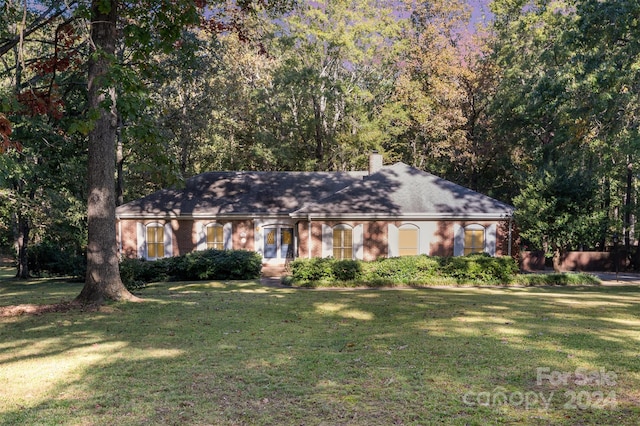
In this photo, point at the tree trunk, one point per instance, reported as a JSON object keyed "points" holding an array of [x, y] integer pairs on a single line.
{"points": [[628, 206], [22, 243], [103, 273], [557, 259]]}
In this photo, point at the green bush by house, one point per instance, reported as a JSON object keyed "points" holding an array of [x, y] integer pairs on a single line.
{"points": [[198, 265], [407, 270]]}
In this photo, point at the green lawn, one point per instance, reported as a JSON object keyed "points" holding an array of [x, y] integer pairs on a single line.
{"points": [[238, 353]]}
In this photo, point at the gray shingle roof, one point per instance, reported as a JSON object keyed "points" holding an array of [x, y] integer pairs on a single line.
{"points": [[394, 191], [401, 190], [240, 193]]}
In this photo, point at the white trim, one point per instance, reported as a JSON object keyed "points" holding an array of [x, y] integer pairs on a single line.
{"points": [[258, 242], [260, 225], [120, 238], [406, 216], [358, 242], [393, 242], [502, 215], [309, 227], [168, 240], [458, 240], [201, 244], [141, 240], [227, 234], [490, 239], [327, 241], [428, 232]]}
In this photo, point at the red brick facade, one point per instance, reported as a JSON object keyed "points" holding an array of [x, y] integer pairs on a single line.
{"points": [[185, 235]]}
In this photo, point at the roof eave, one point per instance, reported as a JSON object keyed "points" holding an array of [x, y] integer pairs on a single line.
{"points": [[171, 215], [405, 216]]}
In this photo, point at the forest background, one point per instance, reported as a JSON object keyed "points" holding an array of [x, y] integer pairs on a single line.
{"points": [[536, 106]]}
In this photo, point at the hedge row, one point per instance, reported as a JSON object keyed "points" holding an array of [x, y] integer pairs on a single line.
{"points": [[407, 270], [198, 265]]}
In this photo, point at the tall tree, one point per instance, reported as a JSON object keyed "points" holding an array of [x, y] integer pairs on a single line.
{"points": [[568, 88], [150, 27], [39, 52], [103, 274], [337, 65]]}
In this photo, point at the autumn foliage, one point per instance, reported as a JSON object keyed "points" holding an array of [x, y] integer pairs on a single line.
{"points": [[5, 132], [41, 102]]}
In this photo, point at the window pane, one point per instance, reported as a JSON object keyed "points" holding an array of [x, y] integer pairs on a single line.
{"points": [[337, 253], [286, 243], [479, 240], [155, 242], [337, 238], [151, 235], [270, 248], [468, 239], [214, 237], [473, 241], [342, 243], [348, 240], [151, 250], [348, 253], [408, 242]]}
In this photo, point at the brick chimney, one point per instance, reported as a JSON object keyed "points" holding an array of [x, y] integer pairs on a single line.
{"points": [[375, 162]]}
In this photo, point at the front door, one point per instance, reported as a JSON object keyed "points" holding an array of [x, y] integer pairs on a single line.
{"points": [[278, 242]]}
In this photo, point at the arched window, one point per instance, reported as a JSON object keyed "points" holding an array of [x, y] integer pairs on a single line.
{"points": [[342, 242], [408, 240], [154, 240], [474, 239], [215, 236]]}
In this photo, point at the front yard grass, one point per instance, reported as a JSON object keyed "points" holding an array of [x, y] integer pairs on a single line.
{"points": [[229, 353]]}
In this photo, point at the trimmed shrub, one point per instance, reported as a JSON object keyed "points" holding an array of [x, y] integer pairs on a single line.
{"points": [[481, 268], [315, 269], [405, 270], [198, 265], [136, 273], [346, 270]]}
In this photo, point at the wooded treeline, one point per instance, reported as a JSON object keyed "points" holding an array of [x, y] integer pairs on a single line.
{"points": [[539, 107]]}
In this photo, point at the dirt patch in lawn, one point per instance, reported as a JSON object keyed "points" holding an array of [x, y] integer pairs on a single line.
{"points": [[34, 309]]}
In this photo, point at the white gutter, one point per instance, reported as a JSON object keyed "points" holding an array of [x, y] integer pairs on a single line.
{"points": [[510, 236], [119, 236], [229, 216], [405, 216], [309, 235]]}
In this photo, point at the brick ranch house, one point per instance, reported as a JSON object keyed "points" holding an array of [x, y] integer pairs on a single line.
{"points": [[386, 211]]}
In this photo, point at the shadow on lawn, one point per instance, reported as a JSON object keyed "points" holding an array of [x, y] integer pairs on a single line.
{"points": [[239, 353]]}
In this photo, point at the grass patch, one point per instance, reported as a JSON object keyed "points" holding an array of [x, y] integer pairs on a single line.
{"points": [[230, 353]]}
